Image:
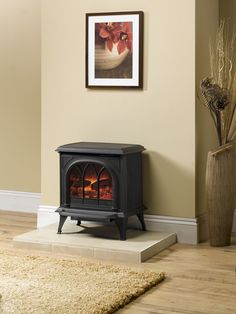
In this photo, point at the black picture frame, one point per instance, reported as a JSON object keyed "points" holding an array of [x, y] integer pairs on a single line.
{"points": [[114, 49]]}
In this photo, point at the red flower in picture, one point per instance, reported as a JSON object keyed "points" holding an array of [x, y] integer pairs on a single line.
{"points": [[110, 32], [126, 38], [119, 33]]}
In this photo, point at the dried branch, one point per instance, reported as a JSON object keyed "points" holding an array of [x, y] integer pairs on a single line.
{"points": [[219, 91]]}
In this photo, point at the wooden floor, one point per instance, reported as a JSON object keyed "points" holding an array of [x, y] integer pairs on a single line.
{"points": [[200, 279]]}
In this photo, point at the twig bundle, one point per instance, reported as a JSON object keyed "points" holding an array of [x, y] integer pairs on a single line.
{"points": [[219, 91]]}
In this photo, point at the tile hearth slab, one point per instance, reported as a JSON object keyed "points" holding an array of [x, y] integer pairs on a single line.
{"points": [[96, 241]]}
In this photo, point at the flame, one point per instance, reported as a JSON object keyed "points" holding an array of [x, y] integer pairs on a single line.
{"points": [[90, 186]]}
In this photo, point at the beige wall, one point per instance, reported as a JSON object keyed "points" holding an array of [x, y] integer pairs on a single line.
{"points": [[161, 117], [207, 15], [20, 95]]}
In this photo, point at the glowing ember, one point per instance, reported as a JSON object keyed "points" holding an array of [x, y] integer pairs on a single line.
{"points": [[88, 188]]}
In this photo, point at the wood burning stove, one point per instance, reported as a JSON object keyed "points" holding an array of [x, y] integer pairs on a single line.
{"points": [[101, 182]]}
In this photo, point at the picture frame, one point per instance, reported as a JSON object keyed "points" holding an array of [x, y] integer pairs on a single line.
{"points": [[114, 49]]}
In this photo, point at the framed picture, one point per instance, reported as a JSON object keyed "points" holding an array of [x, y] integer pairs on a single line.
{"points": [[114, 49]]}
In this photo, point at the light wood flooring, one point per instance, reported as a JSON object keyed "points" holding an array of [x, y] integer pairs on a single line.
{"points": [[200, 279]]}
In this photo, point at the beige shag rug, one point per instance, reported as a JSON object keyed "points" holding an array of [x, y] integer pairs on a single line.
{"points": [[43, 285]]}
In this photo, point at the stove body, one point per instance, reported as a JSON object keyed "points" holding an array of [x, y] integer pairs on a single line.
{"points": [[101, 182]]}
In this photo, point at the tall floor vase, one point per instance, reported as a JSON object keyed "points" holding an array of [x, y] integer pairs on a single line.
{"points": [[220, 194]]}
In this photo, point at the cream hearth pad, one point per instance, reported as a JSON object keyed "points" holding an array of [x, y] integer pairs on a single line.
{"points": [[96, 241]]}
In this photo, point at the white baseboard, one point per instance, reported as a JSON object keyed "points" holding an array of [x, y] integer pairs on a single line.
{"points": [[185, 228], [19, 201], [47, 216]]}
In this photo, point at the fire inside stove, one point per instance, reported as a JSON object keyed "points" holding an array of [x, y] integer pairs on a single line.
{"points": [[90, 181]]}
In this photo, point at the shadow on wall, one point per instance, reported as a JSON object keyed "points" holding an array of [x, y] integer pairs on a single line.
{"points": [[169, 188]]}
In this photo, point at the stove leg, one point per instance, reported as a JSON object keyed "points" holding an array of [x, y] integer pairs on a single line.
{"points": [[78, 223], [141, 219], [61, 223], [122, 226]]}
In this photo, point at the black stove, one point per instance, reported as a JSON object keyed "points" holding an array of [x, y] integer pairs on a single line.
{"points": [[101, 182]]}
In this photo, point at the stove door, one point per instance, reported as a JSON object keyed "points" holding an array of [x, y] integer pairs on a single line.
{"points": [[90, 184]]}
